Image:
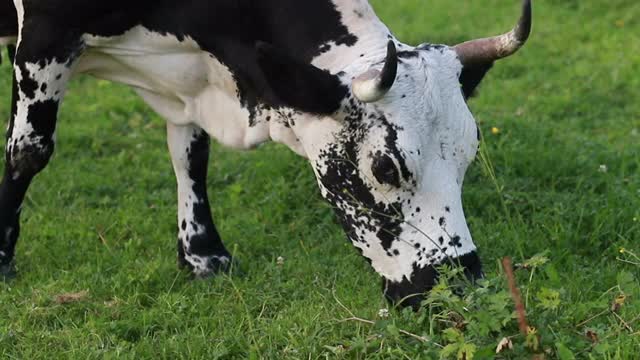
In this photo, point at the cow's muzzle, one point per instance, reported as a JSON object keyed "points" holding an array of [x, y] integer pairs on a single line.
{"points": [[411, 292]]}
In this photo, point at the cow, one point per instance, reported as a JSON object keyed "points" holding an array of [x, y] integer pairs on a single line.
{"points": [[384, 125]]}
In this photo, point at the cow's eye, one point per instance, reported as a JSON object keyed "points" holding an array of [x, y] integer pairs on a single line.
{"points": [[385, 170]]}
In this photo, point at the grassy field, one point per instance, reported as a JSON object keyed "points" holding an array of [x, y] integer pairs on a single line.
{"points": [[557, 188]]}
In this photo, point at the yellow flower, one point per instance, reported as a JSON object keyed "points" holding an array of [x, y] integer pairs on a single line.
{"points": [[495, 130], [622, 250]]}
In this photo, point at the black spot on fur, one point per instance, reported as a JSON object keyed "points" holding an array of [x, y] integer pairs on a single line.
{"points": [[408, 54], [42, 117], [300, 85], [455, 241], [324, 48], [386, 238], [27, 85], [429, 47]]}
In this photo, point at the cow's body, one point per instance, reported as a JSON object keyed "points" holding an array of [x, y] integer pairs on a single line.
{"points": [[196, 63]]}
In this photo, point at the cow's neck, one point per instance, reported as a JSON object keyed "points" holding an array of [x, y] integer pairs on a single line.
{"points": [[351, 60]]}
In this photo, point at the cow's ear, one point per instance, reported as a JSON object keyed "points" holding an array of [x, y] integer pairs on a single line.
{"points": [[300, 85], [471, 77]]}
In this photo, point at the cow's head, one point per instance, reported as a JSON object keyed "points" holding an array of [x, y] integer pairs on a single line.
{"points": [[390, 146]]}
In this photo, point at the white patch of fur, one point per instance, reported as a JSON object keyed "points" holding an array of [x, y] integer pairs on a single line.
{"points": [[198, 89], [20, 12]]}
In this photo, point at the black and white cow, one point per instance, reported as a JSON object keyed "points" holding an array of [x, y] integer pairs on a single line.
{"points": [[384, 125]]}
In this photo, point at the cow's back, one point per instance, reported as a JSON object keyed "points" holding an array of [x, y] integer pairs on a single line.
{"points": [[195, 61]]}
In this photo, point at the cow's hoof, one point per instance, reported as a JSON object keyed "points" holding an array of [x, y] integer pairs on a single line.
{"points": [[215, 265], [7, 272], [211, 266]]}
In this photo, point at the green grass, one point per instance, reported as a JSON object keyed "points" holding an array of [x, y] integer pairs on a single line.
{"points": [[101, 219]]}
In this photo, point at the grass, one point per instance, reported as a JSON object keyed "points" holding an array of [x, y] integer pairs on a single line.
{"points": [[557, 188]]}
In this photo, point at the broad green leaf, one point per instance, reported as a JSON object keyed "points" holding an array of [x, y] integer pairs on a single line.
{"points": [[549, 299], [563, 352]]}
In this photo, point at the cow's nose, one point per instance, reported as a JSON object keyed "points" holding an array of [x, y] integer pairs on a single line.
{"points": [[411, 292]]}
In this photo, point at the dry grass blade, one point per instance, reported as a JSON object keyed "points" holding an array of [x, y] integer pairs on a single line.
{"points": [[624, 323], [404, 332], [70, 298], [370, 322], [593, 317]]}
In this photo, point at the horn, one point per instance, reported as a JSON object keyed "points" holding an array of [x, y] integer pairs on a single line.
{"points": [[374, 84], [483, 51]]}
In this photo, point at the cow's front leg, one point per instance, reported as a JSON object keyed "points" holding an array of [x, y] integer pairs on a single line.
{"points": [[42, 66], [199, 246]]}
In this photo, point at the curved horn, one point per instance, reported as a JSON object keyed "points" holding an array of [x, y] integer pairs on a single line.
{"points": [[487, 50], [374, 84]]}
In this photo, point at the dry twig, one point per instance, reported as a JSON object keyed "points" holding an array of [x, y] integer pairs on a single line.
{"points": [[624, 323], [515, 294]]}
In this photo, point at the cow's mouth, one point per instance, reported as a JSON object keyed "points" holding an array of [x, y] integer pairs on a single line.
{"points": [[411, 292]]}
